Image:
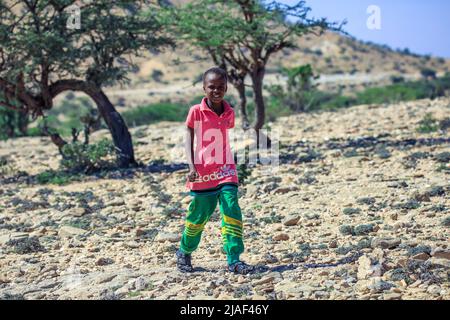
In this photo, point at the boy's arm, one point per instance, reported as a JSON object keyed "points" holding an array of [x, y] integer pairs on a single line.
{"points": [[190, 154]]}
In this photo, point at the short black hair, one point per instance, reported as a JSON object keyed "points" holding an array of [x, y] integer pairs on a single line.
{"points": [[218, 71]]}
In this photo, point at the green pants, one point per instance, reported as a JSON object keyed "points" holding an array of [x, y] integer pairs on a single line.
{"points": [[199, 212]]}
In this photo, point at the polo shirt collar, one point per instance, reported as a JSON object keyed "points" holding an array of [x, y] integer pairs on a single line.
{"points": [[204, 106]]}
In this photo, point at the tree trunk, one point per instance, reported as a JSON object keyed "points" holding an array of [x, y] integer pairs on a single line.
{"points": [[260, 109], [240, 87], [9, 126], [23, 123], [260, 114], [119, 131]]}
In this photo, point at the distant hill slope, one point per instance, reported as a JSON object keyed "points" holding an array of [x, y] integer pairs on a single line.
{"points": [[342, 61]]}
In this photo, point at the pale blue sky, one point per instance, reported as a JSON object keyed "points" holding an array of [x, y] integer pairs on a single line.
{"points": [[422, 26]]}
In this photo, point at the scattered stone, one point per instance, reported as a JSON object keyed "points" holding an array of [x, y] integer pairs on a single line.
{"points": [[269, 258], [122, 292], [281, 237], [139, 232], [421, 256], [396, 184], [140, 283], [443, 157], [346, 230], [332, 244], [291, 220], [398, 274], [104, 261], [350, 153], [321, 295], [439, 262], [12, 236], [283, 190], [378, 285], [264, 280], [434, 289], [446, 222], [366, 200], [165, 236], [440, 253], [68, 232], [424, 196], [408, 205], [419, 249], [392, 296], [77, 212], [383, 153], [351, 211], [115, 203], [132, 244], [269, 187], [367, 268], [385, 243], [363, 229], [105, 278]]}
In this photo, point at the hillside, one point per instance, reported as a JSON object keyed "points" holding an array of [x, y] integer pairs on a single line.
{"points": [[341, 62], [360, 191]]}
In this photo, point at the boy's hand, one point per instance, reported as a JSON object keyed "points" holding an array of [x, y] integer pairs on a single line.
{"points": [[192, 175]]}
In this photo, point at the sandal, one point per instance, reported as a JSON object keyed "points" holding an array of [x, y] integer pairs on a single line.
{"points": [[240, 268], [184, 262]]}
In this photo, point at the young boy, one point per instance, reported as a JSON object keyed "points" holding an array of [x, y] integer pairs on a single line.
{"points": [[212, 175]]}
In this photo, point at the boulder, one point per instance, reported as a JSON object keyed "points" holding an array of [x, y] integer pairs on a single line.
{"points": [[291, 220], [385, 243]]}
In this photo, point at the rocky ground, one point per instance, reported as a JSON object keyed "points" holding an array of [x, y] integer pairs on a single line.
{"points": [[361, 184]]}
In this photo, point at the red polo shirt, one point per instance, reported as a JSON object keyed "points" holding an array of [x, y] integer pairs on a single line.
{"points": [[213, 159]]}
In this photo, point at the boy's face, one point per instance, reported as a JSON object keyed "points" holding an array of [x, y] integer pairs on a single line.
{"points": [[215, 88]]}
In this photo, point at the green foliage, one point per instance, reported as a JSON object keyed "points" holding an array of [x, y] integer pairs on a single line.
{"points": [[87, 158], [12, 123], [428, 73], [70, 113], [247, 34], [299, 94], [428, 124], [98, 51], [55, 177], [154, 113], [6, 167], [244, 172], [404, 91], [26, 245]]}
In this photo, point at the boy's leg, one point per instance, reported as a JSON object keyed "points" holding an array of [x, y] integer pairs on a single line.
{"points": [[231, 224], [199, 212]]}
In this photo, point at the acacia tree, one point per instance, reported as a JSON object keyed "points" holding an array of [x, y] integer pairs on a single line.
{"points": [[41, 55], [242, 35]]}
